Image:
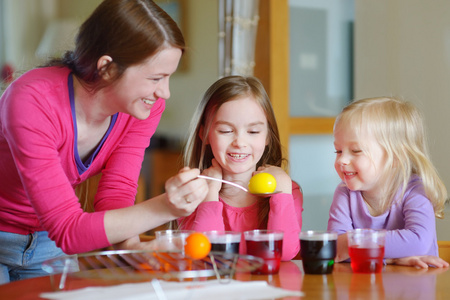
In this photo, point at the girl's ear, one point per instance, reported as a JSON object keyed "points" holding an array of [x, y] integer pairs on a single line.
{"points": [[104, 67]]}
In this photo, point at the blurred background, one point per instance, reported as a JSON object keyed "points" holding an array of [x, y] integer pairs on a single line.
{"points": [[313, 56]]}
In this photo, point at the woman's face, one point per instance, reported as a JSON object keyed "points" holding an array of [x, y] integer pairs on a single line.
{"points": [[142, 85], [238, 135]]}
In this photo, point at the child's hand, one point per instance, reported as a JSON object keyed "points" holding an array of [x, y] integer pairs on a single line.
{"points": [[214, 186], [342, 248], [421, 262], [284, 182]]}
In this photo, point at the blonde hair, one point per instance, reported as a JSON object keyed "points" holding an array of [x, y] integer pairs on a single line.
{"points": [[198, 153], [398, 127]]}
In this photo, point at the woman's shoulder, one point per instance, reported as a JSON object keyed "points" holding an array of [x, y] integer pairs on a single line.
{"points": [[44, 74], [39, 81], [46, 88]]}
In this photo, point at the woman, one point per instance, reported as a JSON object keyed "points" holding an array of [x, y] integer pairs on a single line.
{"points": [[92, 111]]}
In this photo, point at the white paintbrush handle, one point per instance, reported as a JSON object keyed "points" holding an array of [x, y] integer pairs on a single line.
{"points": [[224, 181]]}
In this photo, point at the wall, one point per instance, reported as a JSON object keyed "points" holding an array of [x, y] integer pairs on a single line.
{"points": [[320, 86], [403, 48], [188, 86], [24, 23]]}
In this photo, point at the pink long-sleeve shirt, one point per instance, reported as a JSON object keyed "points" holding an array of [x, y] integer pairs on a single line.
{"points": [[38, 171], [285, 214]]}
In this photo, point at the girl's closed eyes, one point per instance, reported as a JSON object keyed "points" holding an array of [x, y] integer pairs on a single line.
{"points": [[254, 132], [353, 151], [231, 130]]}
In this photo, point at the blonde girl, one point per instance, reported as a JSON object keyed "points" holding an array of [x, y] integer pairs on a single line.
{"points": [[388, 180], [234, 135]]}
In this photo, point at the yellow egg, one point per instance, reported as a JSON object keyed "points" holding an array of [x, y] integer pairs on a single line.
{"points": [[262, 183]]}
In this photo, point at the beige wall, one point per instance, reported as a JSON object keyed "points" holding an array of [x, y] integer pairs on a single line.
{"points": [[188, 86], [402, 48]]}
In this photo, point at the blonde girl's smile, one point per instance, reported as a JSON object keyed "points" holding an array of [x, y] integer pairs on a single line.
{"points": [[349, 175], [346, 176]]}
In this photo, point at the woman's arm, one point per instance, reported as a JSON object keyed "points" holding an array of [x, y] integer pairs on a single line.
{"points": [[128, 222]]}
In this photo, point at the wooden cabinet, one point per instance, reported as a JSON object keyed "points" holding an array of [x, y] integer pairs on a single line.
{"points": [[163, 164], [86, 192]]}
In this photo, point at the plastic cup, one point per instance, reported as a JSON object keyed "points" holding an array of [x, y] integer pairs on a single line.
{"points": [[171, 240], [318, 251], [268, 245], [224, 241], [60, 269], [366, 250]]}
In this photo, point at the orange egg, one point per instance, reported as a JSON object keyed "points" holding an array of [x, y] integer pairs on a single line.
{"points": [[197, 246]]}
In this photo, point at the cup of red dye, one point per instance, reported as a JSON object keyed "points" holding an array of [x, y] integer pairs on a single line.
{"points": [[366, 250], [268, 245]]}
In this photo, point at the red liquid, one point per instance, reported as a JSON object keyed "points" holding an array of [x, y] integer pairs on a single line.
{"points": [[270, 251], [366, 260]]}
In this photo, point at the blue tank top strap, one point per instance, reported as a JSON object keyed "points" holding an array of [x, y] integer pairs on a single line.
{"points": [[83, 166]]}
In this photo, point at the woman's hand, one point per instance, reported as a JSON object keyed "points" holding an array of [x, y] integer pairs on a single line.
{"points": [[185, 191], [421, 262], [284, 181], [214, 186]]}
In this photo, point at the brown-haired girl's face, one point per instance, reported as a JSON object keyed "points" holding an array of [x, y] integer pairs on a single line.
{"points": [[238, 135], [141, 85]]}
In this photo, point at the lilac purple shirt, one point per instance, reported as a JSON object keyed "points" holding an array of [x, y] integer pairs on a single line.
{"points": [[38, 163], [285, 214], [410, 223]]}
